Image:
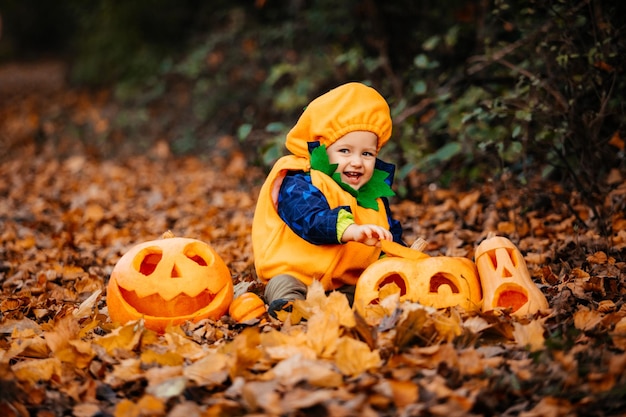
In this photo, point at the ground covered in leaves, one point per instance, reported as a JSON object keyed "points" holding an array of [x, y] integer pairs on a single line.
{"points": [[67, 216]]}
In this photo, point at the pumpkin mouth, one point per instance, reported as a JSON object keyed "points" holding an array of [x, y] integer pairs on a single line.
{"points": [[512, 296], [157, 306]]}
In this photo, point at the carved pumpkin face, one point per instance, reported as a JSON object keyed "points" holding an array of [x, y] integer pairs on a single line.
{"points": [[168, 282], [505, 278], [438, 282]]}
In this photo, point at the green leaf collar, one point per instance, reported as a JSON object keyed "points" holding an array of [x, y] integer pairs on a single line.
{"points": [[367, 195]]}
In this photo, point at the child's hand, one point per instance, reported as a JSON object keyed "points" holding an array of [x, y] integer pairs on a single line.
{"points": [[368, 234]]}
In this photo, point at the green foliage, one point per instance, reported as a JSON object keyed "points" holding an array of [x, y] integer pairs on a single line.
{"points": [[476, 89], [540, 93]]}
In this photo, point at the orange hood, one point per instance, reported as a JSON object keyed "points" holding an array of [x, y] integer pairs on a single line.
{"points": [[347, 108]]}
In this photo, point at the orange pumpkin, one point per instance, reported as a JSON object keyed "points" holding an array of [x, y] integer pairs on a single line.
{"points": [[246, 307], [438, 281], [505, 278], [168, 282]]}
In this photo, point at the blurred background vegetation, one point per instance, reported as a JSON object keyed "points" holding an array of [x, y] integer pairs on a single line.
{"points": [[479, 89]]}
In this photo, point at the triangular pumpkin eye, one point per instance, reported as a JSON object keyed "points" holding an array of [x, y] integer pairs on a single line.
{"points": [[493, 258], [512, 257], [150, 261]]}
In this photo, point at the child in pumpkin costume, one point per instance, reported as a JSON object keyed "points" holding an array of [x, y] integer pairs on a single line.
{"points": [[323, 209]]}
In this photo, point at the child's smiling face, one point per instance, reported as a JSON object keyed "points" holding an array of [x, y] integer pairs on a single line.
{"points": [[355, 156]]}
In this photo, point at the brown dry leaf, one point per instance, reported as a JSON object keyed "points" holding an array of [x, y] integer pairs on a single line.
{"points": [[529, 335], [475, 324], [550, 406], [469, 200], [354, 357], [506, 228], [586, 319], [167, 388], [471, 362], [448, 327], [209, 371], [619, 334], [262, 396], [415, 323], [597, 258], [85, 410], [299, 399], [125, 371], [403, 392], [297, 368]]}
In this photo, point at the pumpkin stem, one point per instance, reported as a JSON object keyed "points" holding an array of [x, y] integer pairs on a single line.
{"points": [[167, 235], [419, 244]]}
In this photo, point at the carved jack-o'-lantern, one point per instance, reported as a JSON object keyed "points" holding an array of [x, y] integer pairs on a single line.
{"points": [[437, 281], [505, 278], [168, 282]]}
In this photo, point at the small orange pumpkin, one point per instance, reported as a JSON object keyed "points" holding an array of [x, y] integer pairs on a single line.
{"points": [[505, 278], [168, 282], [246, 307], [438, 281]]}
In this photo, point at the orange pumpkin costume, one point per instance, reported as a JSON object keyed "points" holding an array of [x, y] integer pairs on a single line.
{"points": [[277, 249]]}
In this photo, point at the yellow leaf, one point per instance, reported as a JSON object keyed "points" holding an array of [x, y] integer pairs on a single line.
{"points": [[404, 392], [354, 357], [184, 347], [280, 345], [322, 334], [86, 307], [127, 408], [34, 370], [244, 351], [151, 406], [32, 346], [77, 352], [126, 337], [165, 358], [317, 301]]}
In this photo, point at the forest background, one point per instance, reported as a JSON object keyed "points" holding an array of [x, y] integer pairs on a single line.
{"points": [[509, 117]]}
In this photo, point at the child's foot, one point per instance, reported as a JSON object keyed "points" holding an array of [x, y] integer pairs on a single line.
{"points": [[281, 304]]}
